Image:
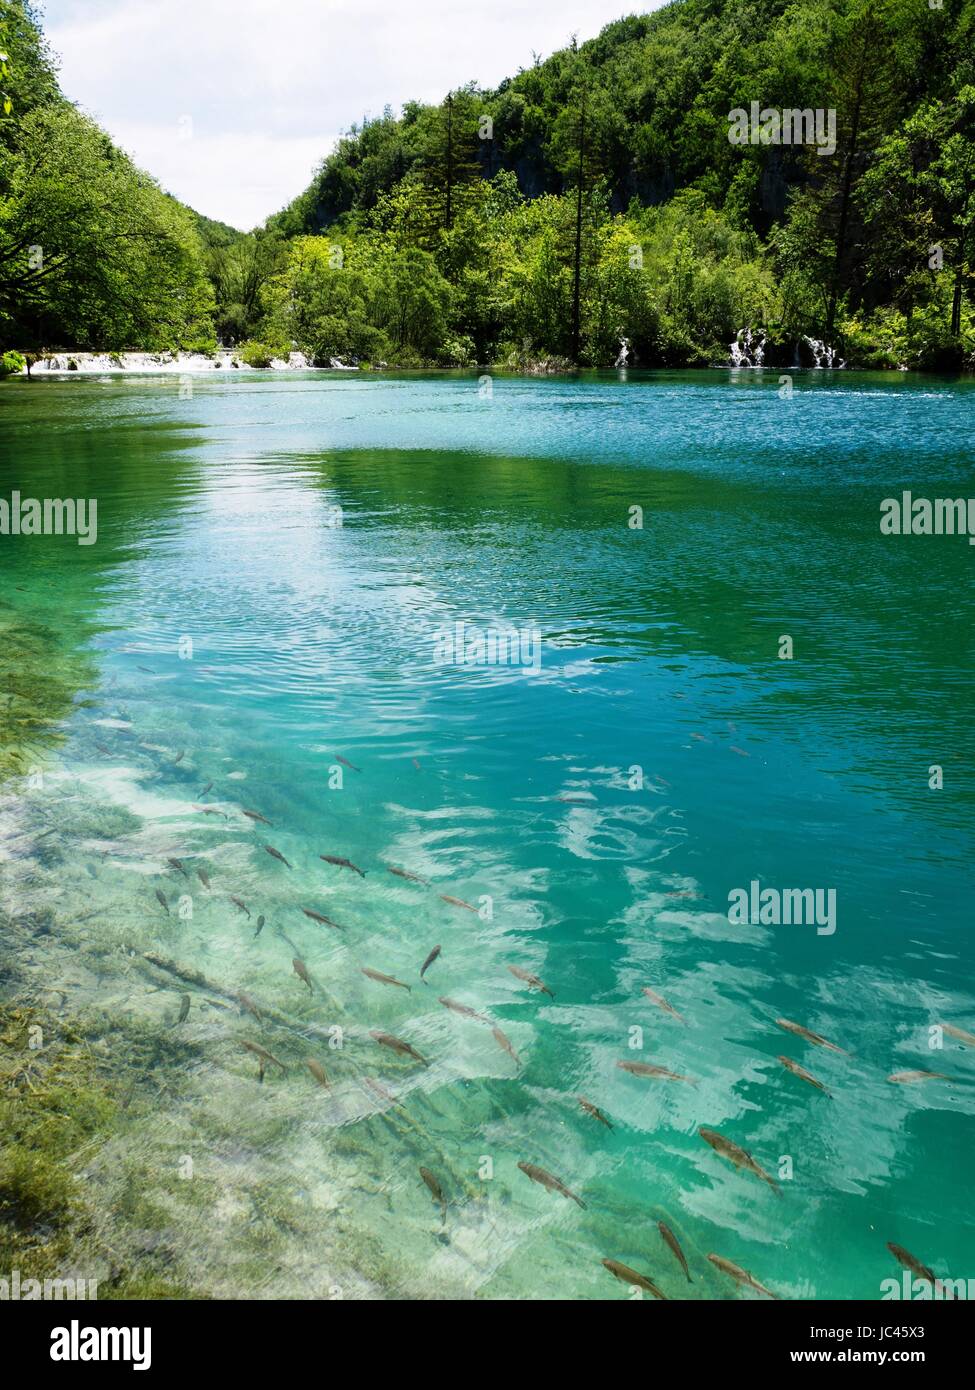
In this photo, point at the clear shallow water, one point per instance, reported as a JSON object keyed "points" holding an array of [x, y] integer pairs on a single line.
{"points": [[761, 517]]}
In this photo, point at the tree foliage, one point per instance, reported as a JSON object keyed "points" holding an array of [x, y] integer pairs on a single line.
{"points": [[591, 198], [92, 252]]}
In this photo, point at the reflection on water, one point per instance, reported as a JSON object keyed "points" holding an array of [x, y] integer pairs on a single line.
{"points": [[255, 631]]}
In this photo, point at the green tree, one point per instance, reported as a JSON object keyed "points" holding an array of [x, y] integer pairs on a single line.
{"points": [[919, 200], [242, 269], [92, 253], [411, 300]]}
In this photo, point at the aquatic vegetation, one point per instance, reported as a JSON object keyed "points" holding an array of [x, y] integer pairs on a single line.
{"points": [[51, 1101], [39, 674]]}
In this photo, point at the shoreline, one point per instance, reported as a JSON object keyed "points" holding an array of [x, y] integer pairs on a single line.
{"points": [[153, 363], [147, 364]]}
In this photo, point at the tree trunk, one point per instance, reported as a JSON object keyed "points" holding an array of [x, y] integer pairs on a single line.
{"points": [[577, 276], [450, 157], [845, 197]]}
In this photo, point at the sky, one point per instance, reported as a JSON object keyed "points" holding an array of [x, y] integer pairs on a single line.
{"points": [[232, 103]]}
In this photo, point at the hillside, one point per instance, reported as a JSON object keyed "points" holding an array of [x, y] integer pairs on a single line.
{"points": [[774, 236], [591, 200]]}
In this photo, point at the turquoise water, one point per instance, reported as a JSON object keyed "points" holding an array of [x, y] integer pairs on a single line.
{"points": [[309, 535]]}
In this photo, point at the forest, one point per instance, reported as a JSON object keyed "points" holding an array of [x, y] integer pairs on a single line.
{"points": [[592, 200]]}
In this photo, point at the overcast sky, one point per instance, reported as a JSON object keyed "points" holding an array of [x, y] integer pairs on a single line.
{"points": [[232, 103]]}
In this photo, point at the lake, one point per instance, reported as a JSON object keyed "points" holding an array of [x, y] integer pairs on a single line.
{"points": [[724, 674]]}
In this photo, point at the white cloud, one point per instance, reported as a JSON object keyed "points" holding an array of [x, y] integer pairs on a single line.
{"points": [[267, 84], [235, 178]]}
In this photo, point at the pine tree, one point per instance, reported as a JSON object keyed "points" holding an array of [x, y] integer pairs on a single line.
{"points": [[578, 152], [448, 166]]}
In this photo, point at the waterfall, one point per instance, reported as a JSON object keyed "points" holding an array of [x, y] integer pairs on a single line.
{"points": [[748, 349], [824, 356], [624, 353]]}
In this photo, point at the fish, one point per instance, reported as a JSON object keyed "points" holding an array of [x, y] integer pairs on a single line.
{"points": [[594, 1111], [456, 902], [626, 1275], [549, 1181], [162, 900], [317, 917], [661, 1003], [575, 800], [899, 1077], [276, 854], [148, 670], [398, 1045], [740, 1276], [285, 937], [342, 863], [317, 1071], [256, 815], [429, 961], [263, 1053], [462, 1009], [802, 1074], [959, 1033], [738, 1156], [911, 1262], [177, 864], [740, 751], [532, 981], [673, 1244], [801, 1032], [301, 970], [411, 878], [204, 877], [237, 903], [345, 763], [382, 979], [437, 1191], [184, 1009], [700, 738], [106, 751], [206, 789], [648, 1069], [260, 927], [416, 764], [505, 1043], [247, 1005], [380, 1090], [209, 811], [179, 756]]}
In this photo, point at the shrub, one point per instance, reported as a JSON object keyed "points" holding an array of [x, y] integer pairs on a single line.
{"points": [[255, 354], [11, 363], [459, 351]]}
